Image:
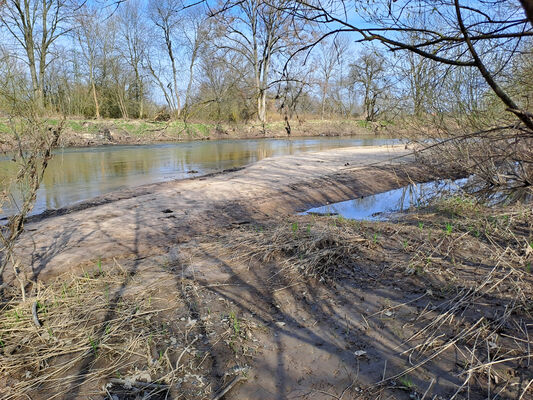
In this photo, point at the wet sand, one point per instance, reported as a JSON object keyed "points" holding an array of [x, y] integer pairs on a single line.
{"points": [[148, 219]]}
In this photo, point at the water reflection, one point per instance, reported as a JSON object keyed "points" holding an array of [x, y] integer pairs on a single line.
{"points": [[82, 173], [379, 207]]}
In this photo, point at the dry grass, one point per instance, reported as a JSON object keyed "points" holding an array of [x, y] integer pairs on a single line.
{"points": [[466, 268], [105, 334], [317, 249], [474, 264], [73, 312], [484, 258]]}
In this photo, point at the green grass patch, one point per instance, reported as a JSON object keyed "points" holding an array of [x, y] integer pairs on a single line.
{"points": [[4, 128], [76, 126], [191, 129]]}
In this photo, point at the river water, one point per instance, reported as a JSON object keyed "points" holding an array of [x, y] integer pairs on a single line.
{"points": [[383, 206], [78, 174]]}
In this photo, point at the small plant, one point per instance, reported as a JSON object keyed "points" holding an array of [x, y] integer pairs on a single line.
{"points": [[235, 323], [94, 345], [528, 267], [405, 244], [449, 228], [375, 237], [406, 382], [42, 307], [99, 264], [421, 226], [295, 226]]}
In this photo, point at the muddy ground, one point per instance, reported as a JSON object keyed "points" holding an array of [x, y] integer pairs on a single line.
{"points": [[184, 289], [148, 219]]}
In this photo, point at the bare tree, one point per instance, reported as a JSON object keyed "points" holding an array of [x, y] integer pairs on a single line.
{"points": [[89, 37], [369, 72], [36, 25], [133, 35], [453, 33], [483, 37], [259, 31], [222, 90], [165, 16], [420, 74], [195, 32], [35, 142], [13, 87], [329, 58]]}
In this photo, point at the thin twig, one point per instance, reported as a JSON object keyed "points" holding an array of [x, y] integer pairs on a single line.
{"points": [[228, 387]]}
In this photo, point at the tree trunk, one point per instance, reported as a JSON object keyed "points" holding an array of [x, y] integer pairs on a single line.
{"points": [[191, 76], [175, 78], [96, 105], [167, 95], [33, 72], [122, 103], [43, 52], [264, 85], [93, 86], [30, 50], [261, 106], [323, 105], [140, 94], [170, 52]]}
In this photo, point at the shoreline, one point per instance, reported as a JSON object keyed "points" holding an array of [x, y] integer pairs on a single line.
{"points": [[147, 219], [88, 133], [139, 190], [116, 195]]}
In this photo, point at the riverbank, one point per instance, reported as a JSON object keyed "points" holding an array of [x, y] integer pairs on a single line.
{"points": [[78, 174], [194, 287], [149, 218], [81, 133]]}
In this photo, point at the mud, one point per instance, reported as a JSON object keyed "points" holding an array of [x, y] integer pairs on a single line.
{"points": [[198, 248], [148, 219]]}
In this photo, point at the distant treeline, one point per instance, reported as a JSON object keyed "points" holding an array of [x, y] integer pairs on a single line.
{"points": [[233, 62]]}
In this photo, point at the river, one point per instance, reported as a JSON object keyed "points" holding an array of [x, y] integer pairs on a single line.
{"points": [[77, 174]]}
